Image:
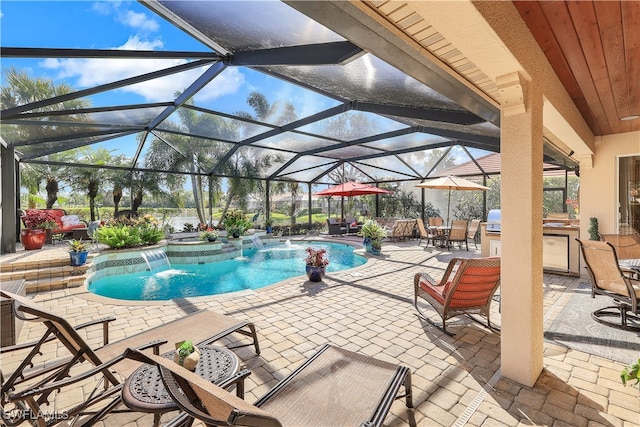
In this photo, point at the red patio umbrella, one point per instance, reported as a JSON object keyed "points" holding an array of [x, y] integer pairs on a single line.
{"points": [[349, 189]]}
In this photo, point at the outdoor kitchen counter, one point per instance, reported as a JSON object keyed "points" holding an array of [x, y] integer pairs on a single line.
{"points": [[560, 251]]}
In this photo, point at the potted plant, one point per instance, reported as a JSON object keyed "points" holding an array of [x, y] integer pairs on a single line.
{"points": [[376, 246], [187, 355], [236, 223], [37, 223], [268, 224], [372, 232], [316, 264], [594, 231], [78, 252], [630, 373], [209, 234]]}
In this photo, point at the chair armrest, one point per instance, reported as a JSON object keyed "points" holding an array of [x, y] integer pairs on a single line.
{"points": [[105, 321], [237, 379], [82, 376], [105, 327]]}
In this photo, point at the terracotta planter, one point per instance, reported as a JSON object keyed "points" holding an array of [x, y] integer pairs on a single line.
{"points": [[315, 274], [33, 238]]}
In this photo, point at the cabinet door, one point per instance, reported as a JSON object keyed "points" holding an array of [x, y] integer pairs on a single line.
{"points": [[495, 248]]}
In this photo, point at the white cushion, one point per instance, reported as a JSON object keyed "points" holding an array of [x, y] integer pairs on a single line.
{"points": [[69, 220]]}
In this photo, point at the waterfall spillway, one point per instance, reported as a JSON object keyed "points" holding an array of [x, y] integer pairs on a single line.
{"points": [[156, 260], [257, 242]]}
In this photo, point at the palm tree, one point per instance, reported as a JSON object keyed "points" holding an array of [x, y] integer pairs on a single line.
{"points": [[89, 179], [21, 89], [248, 164], [189, 153]]}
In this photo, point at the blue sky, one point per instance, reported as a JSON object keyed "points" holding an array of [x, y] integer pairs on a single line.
{"points": [[127, 25], [130, 25]]}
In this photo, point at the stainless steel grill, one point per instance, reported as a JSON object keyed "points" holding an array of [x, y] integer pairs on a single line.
{"points": [[493, 221]]}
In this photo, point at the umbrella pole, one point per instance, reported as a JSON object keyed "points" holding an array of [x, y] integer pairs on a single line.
{"points": [[448, 207]]}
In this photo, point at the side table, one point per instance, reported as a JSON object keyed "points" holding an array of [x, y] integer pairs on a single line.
{"points": [[10, 324], [143, 390]]}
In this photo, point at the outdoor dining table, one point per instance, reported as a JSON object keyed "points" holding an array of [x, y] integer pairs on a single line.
{"points": [[442, 231]]}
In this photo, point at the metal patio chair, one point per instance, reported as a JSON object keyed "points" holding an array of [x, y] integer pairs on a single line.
{"points": [[34, 380], [334, 387], [608, 279]]}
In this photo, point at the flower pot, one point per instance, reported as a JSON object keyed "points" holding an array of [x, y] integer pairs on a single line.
{"points": [[78, 258], [211, 239], [315, 274], [33, 238], [191, 361], [366, 242]]}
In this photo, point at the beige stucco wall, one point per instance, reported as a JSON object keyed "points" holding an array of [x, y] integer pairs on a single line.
{"points": [[599, 183]]}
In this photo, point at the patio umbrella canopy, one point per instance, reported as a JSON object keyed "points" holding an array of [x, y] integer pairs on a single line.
{"points": [[350, 189], [451, 183]]}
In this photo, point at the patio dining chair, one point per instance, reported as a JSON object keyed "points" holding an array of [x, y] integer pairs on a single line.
{"points": [[466, 288], [427, 235], [334, 387], [473, 232], [458, 234], [34, 380], [609, 280]]}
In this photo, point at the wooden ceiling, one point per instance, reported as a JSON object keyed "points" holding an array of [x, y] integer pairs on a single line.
{"points": [[594, 48]]}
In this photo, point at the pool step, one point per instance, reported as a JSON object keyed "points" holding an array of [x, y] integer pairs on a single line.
{"points": [[45, 274]]}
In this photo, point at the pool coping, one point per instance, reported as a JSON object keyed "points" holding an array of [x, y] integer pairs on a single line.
{"points": [[83, 291]]}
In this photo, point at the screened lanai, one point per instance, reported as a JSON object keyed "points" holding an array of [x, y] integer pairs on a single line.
{"points": [[241, 81]]}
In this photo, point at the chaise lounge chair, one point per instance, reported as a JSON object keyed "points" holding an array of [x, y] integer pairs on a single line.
{"points": [[467, 287], [335, 387], [30, 385]]}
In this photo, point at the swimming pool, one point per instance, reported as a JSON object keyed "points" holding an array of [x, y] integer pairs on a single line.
{"points": [[256, 269]]}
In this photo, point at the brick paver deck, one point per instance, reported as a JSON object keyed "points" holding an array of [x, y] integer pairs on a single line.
{"points": [[369, 309]]}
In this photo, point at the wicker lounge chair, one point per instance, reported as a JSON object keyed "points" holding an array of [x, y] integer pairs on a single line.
{"points": [[608, 279], [467, 287], [335, 227], [333, 387], [34, 380]]}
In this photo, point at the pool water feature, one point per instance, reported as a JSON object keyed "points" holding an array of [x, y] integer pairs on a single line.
{"points": [[156, 259], [254, 270]]}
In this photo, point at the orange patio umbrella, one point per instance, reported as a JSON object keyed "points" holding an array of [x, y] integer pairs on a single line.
{"points": [[350, 189]]}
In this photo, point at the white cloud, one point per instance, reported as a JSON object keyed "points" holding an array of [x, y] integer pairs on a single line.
{"points": [[93, 72], [138, 20], [225, 83]]}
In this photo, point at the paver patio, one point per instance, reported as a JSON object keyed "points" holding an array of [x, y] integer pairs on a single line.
{"points": [[369, 309]]}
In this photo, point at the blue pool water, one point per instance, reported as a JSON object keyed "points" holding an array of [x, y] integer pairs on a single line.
{"points": [[254, 270]]}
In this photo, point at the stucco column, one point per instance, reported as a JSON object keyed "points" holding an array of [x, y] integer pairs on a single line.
{"points": [[521, 203]]}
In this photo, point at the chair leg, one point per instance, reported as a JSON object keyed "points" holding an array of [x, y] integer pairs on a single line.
{"points": [[423, 316]]}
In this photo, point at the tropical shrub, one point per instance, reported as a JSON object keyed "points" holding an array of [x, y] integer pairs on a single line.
{"points": [[235, 221], [130, 232]]}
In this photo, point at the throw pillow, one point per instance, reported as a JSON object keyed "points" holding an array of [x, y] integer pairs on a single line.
{"points": [[69, 220]]}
